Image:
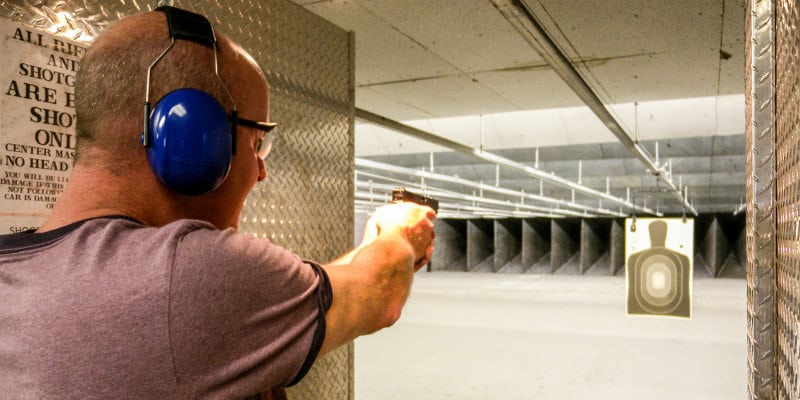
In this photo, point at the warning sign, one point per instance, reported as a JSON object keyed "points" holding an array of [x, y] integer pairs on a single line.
{"points": [[37, 122]]}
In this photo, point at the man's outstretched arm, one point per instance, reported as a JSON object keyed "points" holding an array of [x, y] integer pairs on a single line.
{"points": [[372, 282]]}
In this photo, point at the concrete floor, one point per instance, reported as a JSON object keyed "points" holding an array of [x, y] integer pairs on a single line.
{"points": [[503, 336]]}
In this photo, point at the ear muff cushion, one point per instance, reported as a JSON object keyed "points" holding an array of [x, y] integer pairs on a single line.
{"points": [[190, 150]]}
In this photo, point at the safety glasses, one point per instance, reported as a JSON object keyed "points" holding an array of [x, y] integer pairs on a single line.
{"points": [[264, 143]]}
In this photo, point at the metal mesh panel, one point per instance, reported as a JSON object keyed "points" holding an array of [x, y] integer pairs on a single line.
{"points": [[78, 19], [773, 189], [759, 154], [306, 205], [787, 186]]}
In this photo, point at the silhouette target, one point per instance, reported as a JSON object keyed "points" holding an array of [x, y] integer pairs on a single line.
{"points": [[659, 278]]}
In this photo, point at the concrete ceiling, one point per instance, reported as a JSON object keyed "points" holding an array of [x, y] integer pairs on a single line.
{"points": [[670, 72]]}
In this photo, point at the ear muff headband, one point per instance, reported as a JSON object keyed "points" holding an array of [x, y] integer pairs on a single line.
{"points": [[188, 136]]}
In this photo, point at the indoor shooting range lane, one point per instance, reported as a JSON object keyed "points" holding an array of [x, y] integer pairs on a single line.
{"points": [[501, 336]]}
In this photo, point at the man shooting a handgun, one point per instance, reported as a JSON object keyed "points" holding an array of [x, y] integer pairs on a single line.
{"points": [[139, 287]]}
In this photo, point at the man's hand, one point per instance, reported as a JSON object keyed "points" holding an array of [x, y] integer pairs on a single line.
{"points": [[412, 222]]}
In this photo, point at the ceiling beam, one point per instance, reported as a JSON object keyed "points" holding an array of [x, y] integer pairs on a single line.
{"points": [[519, 15]]}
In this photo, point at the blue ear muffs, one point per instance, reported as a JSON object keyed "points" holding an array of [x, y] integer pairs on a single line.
{"points": [[188, 136], [190, 144]]}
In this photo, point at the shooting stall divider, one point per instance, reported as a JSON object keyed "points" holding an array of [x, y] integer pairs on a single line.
{"points": [[593, 244], [535, 243], [564, 244], [616, 248], [480, 245], [508, 246]]}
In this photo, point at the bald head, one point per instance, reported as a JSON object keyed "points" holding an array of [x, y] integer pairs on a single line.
{"points": [[110, 85]]}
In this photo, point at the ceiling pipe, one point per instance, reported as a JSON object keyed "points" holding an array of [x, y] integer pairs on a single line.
{"points": [[367, 203], [506, 207], [454, 197], [460, 212], [520, 16], [493, 158], [739, 209], [364, 163]]}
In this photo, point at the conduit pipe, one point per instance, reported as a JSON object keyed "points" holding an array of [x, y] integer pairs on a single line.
{"points": [[367, 204], [452, 197], [459, 212], [439, 194], [522, 19], [364, 163], [493, 158]]}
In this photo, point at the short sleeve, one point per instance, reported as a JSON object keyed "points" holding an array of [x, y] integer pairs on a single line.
{"points": [[245, 315], [325, 299]]}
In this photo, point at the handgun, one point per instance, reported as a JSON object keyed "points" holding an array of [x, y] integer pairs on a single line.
{"points": [[400, 194]]}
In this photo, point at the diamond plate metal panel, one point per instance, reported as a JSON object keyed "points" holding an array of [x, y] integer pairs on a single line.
{"points": [[760, 142], [77, 19], [787, 206], [306, 205]]}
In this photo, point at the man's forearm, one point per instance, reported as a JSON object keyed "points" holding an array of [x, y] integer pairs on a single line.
{"points": [[370, 291], [346, 258]]}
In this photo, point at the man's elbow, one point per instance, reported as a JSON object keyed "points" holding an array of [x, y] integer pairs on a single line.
{"points": [[389, 312], [391, 316]]}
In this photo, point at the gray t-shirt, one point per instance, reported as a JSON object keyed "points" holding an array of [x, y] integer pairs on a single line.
{"points": [[109, 308]]}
